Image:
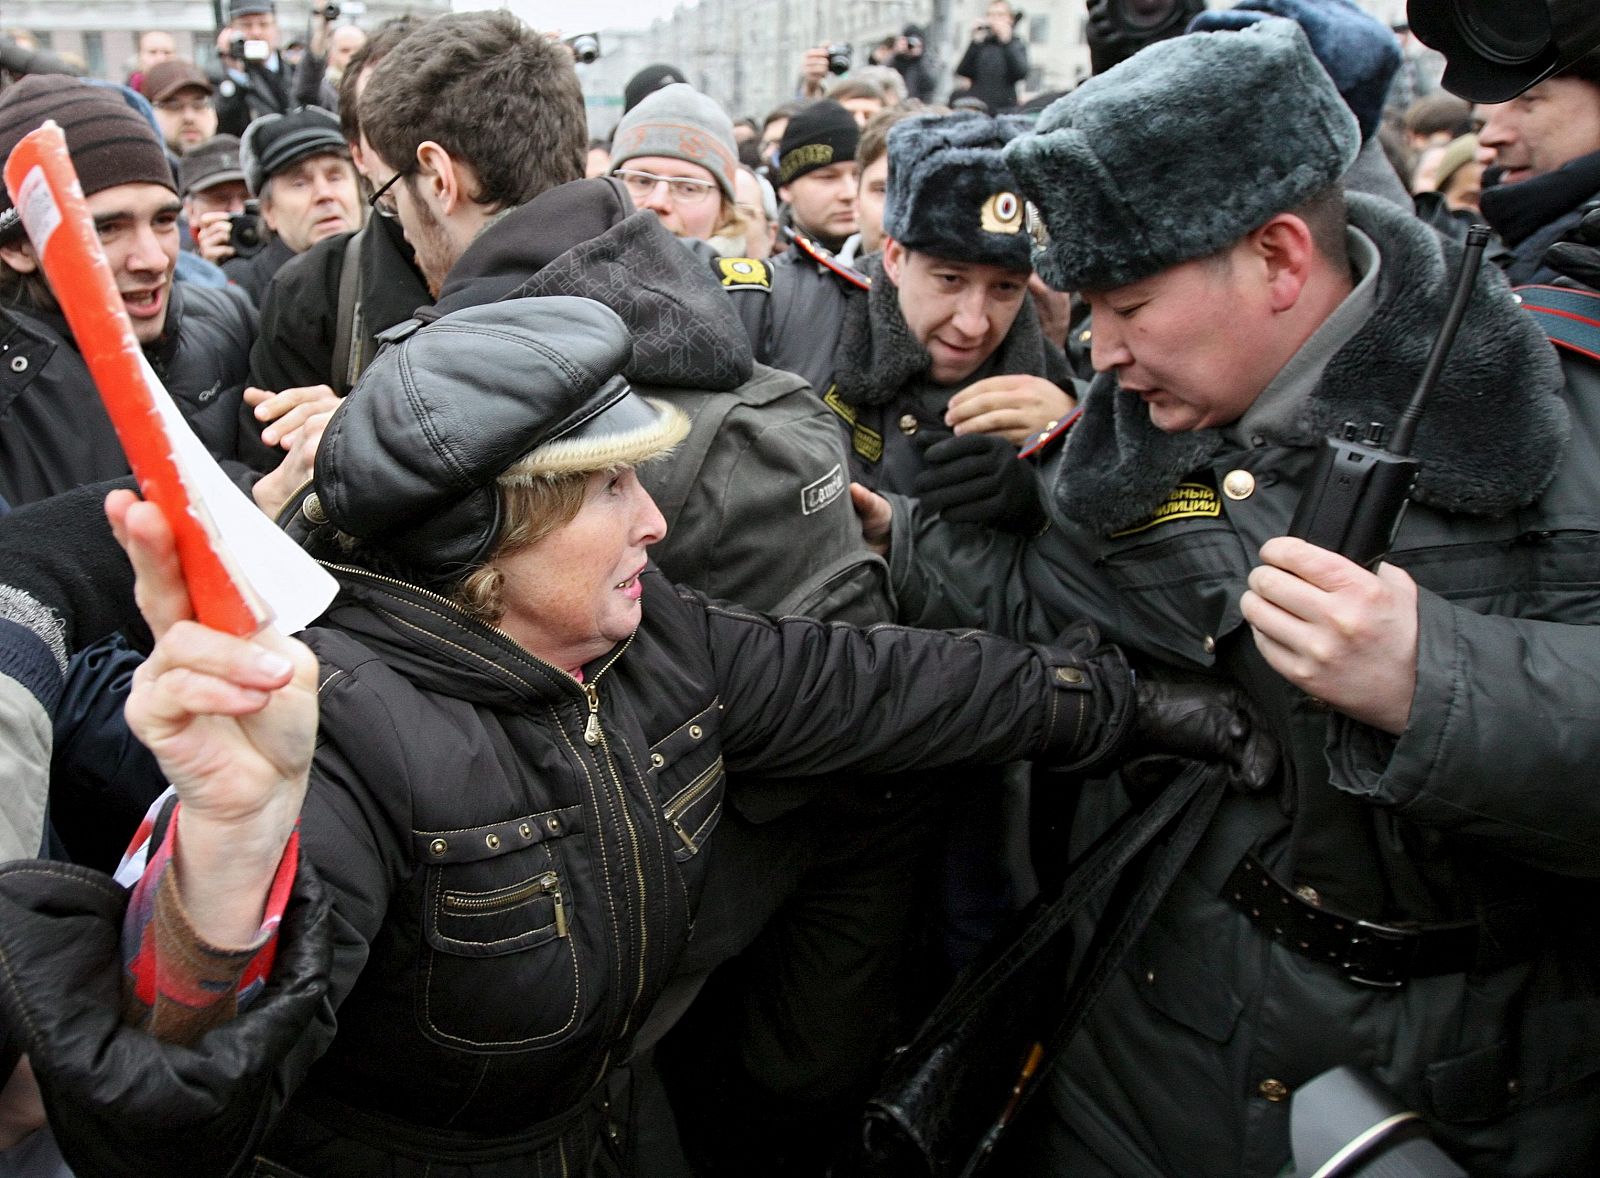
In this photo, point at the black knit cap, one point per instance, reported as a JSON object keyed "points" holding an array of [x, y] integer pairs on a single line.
{"points": [[108, 142], [821, 135], [647, 81]]}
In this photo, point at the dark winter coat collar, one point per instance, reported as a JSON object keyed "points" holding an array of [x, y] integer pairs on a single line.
{"points": [[160, 352], [879, 358], [1517, 211], [585, 239], [392, 288], [1486, 441]]}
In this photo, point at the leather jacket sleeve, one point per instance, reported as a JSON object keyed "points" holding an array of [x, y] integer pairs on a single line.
{"points": [[122, 1102], [802, 697]]}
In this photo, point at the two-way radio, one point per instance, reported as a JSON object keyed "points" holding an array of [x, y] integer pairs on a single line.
{"points": [[1359, 488]]}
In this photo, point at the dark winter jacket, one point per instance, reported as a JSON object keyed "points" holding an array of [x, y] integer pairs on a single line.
{"points": [[993, 71], [756, 499], [54, 432], [1483, 811], [264, 92], [514, 860], [300, 309], [252, 274], [848, 338], [1532, 215]]}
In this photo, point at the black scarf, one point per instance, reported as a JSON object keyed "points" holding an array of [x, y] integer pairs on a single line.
{"points": [[1486, 441], [1518, 211]]}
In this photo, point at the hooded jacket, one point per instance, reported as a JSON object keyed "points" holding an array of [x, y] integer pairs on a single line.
{"points": [[1482, 812], [54, 432], [763, 458]]}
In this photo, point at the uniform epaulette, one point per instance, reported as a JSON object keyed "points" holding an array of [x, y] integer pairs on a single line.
{"points": [[1570, 317], [744, 274], [828, 262]]}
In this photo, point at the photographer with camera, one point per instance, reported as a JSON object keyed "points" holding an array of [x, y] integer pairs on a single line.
{"points": [[298, 166], [819, 67], [255, 79], [211, 182], [329, 50], [996, 58], [910, 60]]}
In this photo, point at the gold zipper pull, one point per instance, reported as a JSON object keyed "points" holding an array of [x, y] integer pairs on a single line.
{"points": [[561, 909], [591, 730], [677, 828]]}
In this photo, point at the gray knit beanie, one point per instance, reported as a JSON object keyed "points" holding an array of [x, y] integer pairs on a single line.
{"points": [[1180, 151], [680, 123], [950, 193]]}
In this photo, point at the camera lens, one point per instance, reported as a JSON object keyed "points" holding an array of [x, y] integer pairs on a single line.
{"points": [[1147, 14], [1502, 33]]}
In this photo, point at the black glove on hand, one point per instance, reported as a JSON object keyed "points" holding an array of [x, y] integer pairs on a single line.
{"points": [[1578, 257], [978, 479], [1202, 720]]}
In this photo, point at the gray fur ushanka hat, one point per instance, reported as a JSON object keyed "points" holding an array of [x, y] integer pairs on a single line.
{"points": [[950, 193], [1181, 150]]}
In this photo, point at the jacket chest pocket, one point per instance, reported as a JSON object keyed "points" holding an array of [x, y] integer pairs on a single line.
{"points": [[1179, 593], [690, 781], [500, 968]]}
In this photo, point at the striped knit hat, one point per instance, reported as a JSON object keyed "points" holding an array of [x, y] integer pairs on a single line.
{"points": [[108, 141]]}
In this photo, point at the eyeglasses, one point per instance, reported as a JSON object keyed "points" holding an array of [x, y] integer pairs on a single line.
{"points": [[681, 189], [377, 202]]}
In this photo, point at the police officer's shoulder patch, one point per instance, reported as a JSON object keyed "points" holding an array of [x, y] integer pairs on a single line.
{"points": [[744, 274], [1187, 501]]}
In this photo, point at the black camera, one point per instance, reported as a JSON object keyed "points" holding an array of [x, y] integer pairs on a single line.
{"points": [[247, 233], [1495, 50], [839, 58], [330, 13], [585, 47]]}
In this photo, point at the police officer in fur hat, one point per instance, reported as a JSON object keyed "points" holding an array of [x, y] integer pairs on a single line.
{"points": [[1415, 896], [935, 359]]}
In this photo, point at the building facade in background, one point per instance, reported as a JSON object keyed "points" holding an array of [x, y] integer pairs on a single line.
{"points": [[102, 35]]}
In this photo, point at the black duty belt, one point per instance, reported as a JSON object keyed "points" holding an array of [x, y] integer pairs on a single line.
{"points": [[1369, 954]]}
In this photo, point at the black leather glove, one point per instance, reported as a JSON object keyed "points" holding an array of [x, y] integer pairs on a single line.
{"points": [[1202, 720], [978, 479], [1578, 256]]}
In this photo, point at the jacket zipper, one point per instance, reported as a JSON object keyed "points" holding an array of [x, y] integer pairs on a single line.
{"points": [[680, 805], [547, 884], [591, 693]]}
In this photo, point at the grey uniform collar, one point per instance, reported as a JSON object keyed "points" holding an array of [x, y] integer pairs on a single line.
{"points": [[1272, 417]]}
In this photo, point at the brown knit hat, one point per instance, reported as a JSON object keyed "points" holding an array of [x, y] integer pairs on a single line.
{"points": [[109, 142]]}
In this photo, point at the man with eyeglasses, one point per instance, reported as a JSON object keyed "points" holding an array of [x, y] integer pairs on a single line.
{"points": [[181, 95], [675, 154]]}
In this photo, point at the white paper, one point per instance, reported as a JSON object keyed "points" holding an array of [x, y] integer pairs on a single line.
{"points": [[295, 587]]}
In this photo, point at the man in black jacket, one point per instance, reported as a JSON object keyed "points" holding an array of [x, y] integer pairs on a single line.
{"points": [[254, 79], [298, 166], [54, 432], [996, 58], [1546, 168]]}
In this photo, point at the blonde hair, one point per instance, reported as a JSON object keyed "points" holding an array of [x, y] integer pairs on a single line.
{"points": [[531, 509]]}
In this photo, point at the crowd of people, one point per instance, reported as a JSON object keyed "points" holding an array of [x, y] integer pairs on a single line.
{"points": [[771, 553]]}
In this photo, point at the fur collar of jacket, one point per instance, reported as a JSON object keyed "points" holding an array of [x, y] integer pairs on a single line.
{"points": [[1486, 439], [879, 357]]}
